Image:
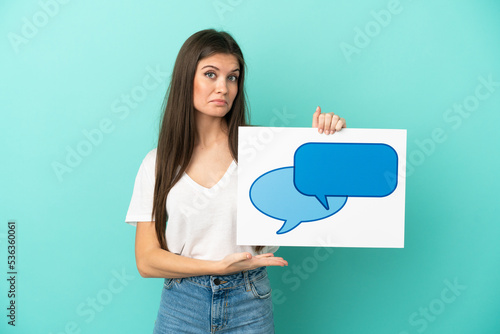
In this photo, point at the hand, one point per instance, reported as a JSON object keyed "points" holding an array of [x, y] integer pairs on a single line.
{"points": [[327, 123], [245, 261]]}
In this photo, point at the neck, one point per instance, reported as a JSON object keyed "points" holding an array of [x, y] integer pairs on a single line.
{"points": [[210, 130]]}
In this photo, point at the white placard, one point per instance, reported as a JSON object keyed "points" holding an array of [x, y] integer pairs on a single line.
{"points": [[277, 207]]}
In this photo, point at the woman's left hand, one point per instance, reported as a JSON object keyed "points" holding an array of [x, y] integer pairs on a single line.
{"points": [[327, 123]]}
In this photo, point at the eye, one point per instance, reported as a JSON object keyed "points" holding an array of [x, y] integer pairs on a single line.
{"points": [[233, 78], [210, 75]]}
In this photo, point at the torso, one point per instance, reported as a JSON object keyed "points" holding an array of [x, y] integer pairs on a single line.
{"points": [[209, 164]]}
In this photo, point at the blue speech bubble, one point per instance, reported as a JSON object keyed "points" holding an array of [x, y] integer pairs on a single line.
{"points": [[345, 169], [274, 194]]}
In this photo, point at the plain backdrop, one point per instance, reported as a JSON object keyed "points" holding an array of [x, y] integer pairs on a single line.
{"points": [[81, 88]]}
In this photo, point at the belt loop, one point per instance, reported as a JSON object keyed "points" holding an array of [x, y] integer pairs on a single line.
{"points": [[247, 280]]}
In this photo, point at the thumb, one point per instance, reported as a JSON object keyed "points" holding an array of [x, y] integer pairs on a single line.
{"points": [[237, 257], [316, 117], [244, 256]]}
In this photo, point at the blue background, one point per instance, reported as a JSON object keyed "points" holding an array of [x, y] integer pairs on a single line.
{"points": [[70, 72]]}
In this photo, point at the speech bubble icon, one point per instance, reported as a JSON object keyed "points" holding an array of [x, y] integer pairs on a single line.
{"points": [[345, 169], [274, 194]]}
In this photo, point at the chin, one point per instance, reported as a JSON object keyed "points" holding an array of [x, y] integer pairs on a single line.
{"points": [[215, 112], [218, 114]]}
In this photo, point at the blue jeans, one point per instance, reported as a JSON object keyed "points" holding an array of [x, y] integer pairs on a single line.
{"points": [[238, 303]]}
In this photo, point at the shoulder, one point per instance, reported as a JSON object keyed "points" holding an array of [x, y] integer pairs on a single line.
{"points": [[148, 164], [150, 158]]}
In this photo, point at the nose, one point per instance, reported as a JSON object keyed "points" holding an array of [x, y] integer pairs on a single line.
{"points": [[221, 85]]}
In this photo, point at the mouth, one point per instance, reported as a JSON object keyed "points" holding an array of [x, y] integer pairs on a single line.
{"points": [[219, 102]]}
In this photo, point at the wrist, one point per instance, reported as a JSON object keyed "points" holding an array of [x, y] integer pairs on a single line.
{"points": [[217, 268]]}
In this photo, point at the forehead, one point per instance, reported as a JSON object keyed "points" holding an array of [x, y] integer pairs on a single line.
{"points": [[222, 61]]}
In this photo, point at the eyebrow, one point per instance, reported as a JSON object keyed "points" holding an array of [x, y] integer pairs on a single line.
{"points": [[237, 69]]}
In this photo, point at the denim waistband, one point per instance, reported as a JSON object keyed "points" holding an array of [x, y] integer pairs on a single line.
{"points": [[226, 281]]}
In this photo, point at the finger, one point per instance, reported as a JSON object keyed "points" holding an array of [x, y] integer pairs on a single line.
{"points": [[340, 124], [321, 123], [271, 262], [316, 116], [276, 262], [333, 125], [274, 259], [328, 122], [243, 256], [264, 255], [236, 258], [267, 256]]}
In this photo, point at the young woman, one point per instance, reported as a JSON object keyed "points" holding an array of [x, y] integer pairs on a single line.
{"points": [[211, 284]]}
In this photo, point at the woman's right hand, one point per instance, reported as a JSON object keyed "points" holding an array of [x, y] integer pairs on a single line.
{"points": [[245, 261], [153, 261]]}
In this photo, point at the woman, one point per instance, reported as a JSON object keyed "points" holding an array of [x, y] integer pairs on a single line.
{"points": [[211, 284]]}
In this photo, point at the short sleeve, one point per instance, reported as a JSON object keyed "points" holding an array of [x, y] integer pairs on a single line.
{"points": [[141, 204]]}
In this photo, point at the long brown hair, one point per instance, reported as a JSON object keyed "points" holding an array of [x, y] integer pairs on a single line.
{"points": [[177, 130]]}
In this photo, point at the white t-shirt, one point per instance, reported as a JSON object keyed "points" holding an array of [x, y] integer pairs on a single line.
{"points": [[201, 221]]}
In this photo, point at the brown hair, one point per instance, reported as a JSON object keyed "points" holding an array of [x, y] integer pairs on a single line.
{"points": [[177, 130]]}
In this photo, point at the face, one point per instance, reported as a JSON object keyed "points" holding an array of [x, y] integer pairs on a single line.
{"points": [[216, 84]]}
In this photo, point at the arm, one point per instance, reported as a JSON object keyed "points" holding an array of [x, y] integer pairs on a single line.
{"points": [[327, 122], [153, 261]]}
